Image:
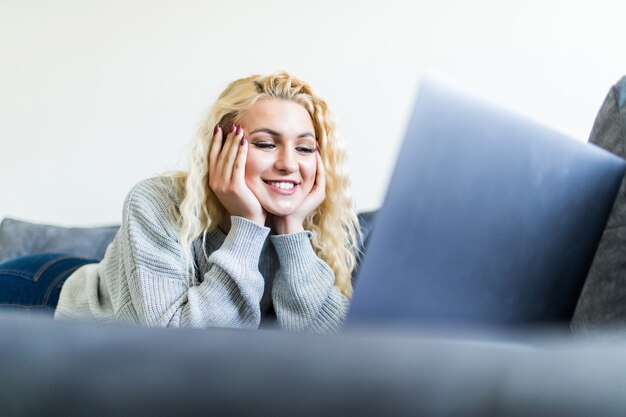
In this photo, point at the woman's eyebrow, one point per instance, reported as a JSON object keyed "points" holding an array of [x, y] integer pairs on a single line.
{"points": [[265, 130], [276, 134]]}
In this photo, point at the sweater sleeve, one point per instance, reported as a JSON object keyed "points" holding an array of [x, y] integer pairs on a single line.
{"points": [[304, 293], [156, 275]]}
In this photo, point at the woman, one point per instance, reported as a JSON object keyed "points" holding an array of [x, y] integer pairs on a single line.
{"points": [[260, 229]]}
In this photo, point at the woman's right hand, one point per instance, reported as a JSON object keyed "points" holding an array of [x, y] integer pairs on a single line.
{"points": [[227, 165]]}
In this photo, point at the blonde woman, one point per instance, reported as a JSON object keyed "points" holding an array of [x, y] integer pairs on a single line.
{"points": [[260, 230]]}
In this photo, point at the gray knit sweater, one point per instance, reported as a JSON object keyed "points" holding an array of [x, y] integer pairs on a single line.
{"points": [[241, 276]]}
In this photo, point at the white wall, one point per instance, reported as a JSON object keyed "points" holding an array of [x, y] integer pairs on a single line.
{"points": [[96, 95]]}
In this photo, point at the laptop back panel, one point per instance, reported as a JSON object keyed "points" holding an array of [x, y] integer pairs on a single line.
{"points": [[489, 220]]}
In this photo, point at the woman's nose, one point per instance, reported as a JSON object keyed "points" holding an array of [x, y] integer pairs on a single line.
{"points": [[286, 161]]}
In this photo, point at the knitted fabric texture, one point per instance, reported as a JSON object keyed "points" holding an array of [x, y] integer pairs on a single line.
{"points": [[244, 277]]}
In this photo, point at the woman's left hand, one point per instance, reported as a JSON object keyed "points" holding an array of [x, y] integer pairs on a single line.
{"points": [[294, 222]]}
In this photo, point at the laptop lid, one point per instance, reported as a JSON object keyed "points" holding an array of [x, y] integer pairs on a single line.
{"points": [[489, 220]]}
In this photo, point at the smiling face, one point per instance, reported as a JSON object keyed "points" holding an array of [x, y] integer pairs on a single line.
{"points": [[281, 162]]}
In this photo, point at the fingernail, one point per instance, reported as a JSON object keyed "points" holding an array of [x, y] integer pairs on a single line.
{"points": [[239, 130], [233, 128], [217, 128], [243, 141]]}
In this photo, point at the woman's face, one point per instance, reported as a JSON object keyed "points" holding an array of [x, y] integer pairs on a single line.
{"points": [[281, 162]]}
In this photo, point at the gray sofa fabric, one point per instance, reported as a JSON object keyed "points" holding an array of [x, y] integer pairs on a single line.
{"points": [[79, 369], [603, 299], [19, 238]]}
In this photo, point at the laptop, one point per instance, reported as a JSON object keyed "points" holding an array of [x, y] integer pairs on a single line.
{"points": [[490, 220]]}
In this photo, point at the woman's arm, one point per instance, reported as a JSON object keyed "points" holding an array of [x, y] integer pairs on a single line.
{"points": [[304, 293], [151, 263]]}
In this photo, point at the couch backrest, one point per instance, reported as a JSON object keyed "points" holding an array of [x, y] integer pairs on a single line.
{"points": [[603, 299], [19, 238]]}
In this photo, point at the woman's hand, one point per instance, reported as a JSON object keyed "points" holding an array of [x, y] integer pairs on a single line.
{"points": [[227, 165], [294, 222]]}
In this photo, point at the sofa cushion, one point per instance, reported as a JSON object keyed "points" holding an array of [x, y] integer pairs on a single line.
{"points": [[603, 299], [19, 238]]}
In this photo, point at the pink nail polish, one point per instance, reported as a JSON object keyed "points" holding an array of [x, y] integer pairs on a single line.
{"points": [[239, 130], [233, 128], [217, 128], [243, 141]]}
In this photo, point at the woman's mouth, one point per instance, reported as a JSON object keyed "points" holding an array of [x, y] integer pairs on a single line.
{"points": [[282, 187]]}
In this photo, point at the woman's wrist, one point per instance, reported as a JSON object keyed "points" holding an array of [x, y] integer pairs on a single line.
{"points": [[285, 226], [260, 220]]}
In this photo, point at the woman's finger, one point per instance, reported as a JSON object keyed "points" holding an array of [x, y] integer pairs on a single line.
{"points": [[239, 169], [216, 146], [230, 154], [221, 165], [320, 175]]}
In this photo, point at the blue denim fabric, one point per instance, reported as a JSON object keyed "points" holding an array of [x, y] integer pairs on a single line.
{"points": [[32, 283]]}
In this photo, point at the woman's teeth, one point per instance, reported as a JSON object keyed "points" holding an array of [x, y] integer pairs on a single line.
{"points": [[282, 185]]}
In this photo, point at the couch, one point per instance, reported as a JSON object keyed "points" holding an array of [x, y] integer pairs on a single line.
{"points": [[50, 368]]}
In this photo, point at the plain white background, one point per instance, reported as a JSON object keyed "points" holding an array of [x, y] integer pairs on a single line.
{"points": [[97, 95]]}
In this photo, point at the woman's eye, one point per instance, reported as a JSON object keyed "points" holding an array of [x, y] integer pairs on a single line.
{"points": [[305, 149], [265, 145]]}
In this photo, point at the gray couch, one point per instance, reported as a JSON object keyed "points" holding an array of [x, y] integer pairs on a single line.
{"points": [[50, 368]]}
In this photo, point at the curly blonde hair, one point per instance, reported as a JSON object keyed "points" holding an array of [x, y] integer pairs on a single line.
{"points": [[334, 225]]}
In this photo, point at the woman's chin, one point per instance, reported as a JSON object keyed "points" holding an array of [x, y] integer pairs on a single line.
{"points": [[279, 211]]}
